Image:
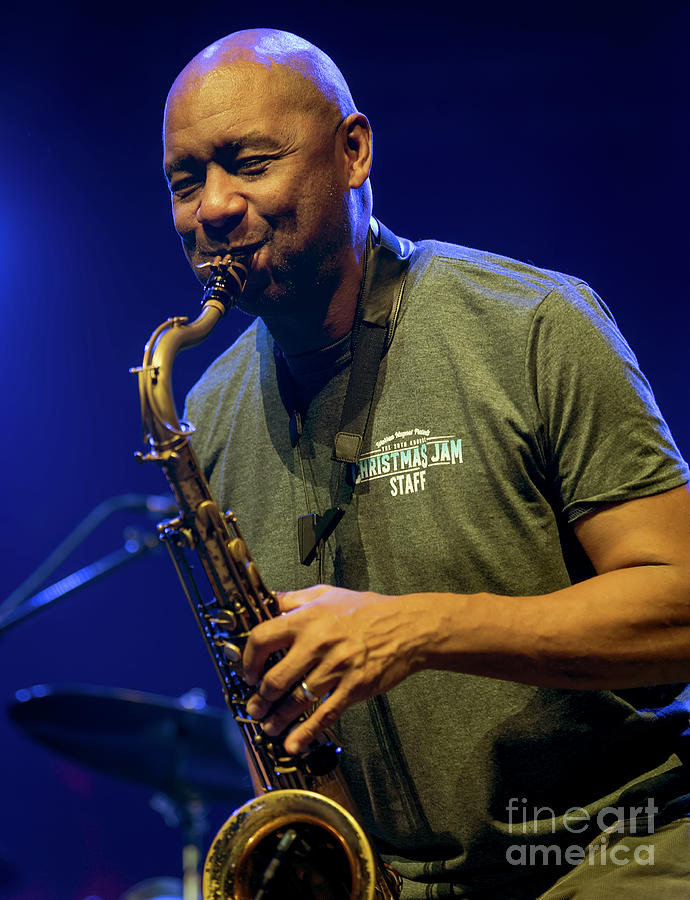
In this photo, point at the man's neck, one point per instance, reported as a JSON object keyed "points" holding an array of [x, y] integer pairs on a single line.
{"points": [[297, 335]]}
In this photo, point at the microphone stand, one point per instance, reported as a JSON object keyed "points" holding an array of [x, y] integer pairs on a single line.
{"points": [[26, 599]]}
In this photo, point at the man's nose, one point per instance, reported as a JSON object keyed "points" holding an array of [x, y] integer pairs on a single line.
{"points": [[222, 202]]}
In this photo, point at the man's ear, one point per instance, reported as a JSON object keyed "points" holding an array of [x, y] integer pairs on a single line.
{"points": [[358, 146]]}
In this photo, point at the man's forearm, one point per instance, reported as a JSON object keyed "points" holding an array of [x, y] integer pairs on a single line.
{"points": [[625, 628]]}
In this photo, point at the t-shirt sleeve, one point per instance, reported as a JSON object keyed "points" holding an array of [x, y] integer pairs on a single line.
{"points": [[602, 435]]}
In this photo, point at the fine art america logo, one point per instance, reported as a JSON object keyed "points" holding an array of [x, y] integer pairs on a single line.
{"points": [[404, 459], [617, 843]]}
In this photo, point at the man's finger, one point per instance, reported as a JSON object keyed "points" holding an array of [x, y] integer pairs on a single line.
{"points": [[275, 684], [264, 639], [290, 600], [293, 705], [323, 717]]}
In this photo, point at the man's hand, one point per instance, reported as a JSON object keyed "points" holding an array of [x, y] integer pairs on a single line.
{"points": [[347, 645], [627, 626]]}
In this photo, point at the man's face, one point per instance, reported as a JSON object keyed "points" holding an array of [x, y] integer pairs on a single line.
{"points": [[250, 165]]}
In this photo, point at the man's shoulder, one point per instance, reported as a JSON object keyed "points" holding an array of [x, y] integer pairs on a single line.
{"points": [[437, 263], [230, 367]]}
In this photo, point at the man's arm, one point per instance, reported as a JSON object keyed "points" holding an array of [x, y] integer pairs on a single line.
{"points": [[627, 626]]}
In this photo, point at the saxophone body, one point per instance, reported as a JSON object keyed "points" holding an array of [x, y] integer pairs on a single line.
{"points": [[301, 838]]}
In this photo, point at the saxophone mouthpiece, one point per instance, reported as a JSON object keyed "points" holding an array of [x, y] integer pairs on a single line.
{"points": [[227, 277]]}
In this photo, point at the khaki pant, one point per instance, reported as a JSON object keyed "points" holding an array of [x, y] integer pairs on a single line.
{"points": [[623, 866]]}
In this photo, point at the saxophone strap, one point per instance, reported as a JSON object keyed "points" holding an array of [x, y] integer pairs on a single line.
{"points": [[385, 270], [386, 266]]}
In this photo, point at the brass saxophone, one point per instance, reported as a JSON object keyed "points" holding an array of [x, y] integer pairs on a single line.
{"points": [[301, 838]]}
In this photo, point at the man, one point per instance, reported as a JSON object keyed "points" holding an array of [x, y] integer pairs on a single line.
{"points": [[514, 558]]}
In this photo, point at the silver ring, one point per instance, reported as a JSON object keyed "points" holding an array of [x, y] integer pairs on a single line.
{"points": [[307, 695]]}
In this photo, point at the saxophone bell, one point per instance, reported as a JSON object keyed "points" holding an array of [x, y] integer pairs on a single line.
{"points": [[291, 845]]}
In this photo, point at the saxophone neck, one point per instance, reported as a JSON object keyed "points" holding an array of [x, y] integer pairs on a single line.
{"points": [[158, 411], [226, 281]]}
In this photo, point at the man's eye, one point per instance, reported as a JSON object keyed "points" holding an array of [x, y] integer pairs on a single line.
{"points": [[254, 165], [182, 187]]}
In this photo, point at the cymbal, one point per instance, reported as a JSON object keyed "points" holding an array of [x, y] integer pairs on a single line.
{"points": [[146, 738]]}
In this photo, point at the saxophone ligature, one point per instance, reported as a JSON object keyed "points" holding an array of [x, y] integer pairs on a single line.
{"points": [[301, 838]]}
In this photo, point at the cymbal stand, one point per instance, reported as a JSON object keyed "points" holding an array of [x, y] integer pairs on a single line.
{"points": [[190, 815]]}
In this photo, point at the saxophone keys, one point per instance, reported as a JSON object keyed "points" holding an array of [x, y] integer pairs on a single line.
{"points": [[231, 652], [170, 525], [174, 531], [254, 577], [238, 550], [225, 618]]}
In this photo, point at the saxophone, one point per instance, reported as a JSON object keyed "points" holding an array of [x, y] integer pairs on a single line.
{"points": [[301, 838]]}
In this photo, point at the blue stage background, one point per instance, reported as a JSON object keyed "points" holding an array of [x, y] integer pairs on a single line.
{"points": [[548, 132]]}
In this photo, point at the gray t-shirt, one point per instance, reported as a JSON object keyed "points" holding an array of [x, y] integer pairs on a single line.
{"points": [[507, 406]]}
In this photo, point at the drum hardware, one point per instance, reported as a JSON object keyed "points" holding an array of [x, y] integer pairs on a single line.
{"points": [[181, 748]]}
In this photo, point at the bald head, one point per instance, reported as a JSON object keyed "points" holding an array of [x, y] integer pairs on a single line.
{"points": [[264, 149], [310, 77]]}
